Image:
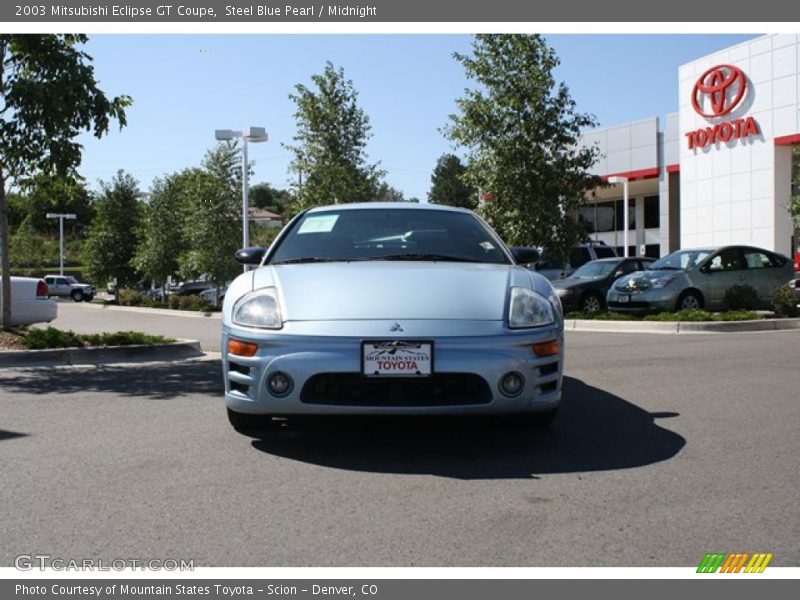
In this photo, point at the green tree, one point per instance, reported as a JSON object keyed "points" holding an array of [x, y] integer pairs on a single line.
{"points": [[113, 236], [162, 233], [28, 247], [213, 227], [48, 95], [521, 130], [60, 195], [264, 196], [448, 184], [330, 156], [387, 193]]}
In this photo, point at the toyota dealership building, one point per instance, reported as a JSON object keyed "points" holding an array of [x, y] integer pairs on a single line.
{"points": [[718, 171]]}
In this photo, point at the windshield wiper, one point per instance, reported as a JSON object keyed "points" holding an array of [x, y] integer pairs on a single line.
{"points": [[422, 257], [306, 259]]}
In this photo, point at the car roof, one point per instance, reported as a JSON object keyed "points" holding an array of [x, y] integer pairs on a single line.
{"points": [[392, 205]]}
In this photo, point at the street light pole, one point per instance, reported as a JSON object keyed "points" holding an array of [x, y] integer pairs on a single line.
{"points": [[252, 134], [625, 210], [61, 217]]}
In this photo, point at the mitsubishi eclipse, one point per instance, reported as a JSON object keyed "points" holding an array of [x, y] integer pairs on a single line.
{"points": [[390, 308]]}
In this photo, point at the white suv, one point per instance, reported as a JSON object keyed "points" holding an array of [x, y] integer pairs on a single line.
{"points": [[68, 287]]}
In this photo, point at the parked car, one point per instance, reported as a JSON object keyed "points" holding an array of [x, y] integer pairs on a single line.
{"points": [[68, 287], [190, 288], [794, 286], [210, 295], [699, 278], [587, 287], [581, 254], [390, 308], [29, 301]]}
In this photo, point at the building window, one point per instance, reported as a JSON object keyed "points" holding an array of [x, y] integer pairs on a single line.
{"points": [[598, 217], [651, 212], [621, 214], [652, 251]]}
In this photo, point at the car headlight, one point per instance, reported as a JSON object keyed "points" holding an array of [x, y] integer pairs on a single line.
{"points": [[561, 292], [258, 309], [528, 309], [662, 283]]}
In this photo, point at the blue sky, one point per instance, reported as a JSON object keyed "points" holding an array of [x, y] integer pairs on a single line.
{"points": [[185, 86]]}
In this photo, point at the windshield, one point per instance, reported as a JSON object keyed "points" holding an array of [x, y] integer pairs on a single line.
{"points": [[71, 279], [389, 234], [595, 269], [680, 261]]}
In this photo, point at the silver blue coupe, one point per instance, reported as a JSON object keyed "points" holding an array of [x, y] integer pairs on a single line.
{"points": [[390, 308]]}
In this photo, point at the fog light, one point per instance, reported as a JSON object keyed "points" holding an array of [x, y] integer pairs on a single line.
{"points": [[279, 384], [512, 383]]}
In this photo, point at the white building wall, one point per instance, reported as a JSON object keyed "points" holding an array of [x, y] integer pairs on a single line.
{"points": [[737, 192]]}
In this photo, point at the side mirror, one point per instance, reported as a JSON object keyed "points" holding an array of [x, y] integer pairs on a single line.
{"points": [[525, 256], [250, 256]]}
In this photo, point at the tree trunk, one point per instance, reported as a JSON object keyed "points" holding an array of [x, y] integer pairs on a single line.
{"points": [[5, 261]]}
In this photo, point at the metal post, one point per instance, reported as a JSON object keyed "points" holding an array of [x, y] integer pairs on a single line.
{"points": [[245, 197], [626, 215], [61, 237]]}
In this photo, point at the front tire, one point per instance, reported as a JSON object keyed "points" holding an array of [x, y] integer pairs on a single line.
{"points": [[255, 426], [592, 303], [77, 296], [689, 300]]}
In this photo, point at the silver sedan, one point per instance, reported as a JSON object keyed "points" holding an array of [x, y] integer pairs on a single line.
{"points": [[390, 308], [699, 278]]}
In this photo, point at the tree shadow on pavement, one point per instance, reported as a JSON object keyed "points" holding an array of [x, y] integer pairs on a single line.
{"points": [[154, 381], [594, 431]]}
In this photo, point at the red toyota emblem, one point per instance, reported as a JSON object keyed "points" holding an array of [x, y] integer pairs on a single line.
{"points": [[724, 85]]}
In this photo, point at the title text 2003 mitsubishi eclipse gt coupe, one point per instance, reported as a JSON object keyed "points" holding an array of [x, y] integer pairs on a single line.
{"points": [[383, 308]]}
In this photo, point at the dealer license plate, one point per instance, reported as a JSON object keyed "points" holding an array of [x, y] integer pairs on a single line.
{"points": [[623, 298], [395, 358]]}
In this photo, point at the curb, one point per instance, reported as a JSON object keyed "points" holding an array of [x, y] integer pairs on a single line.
{"points": [[195, 314], [101, 354], [681, 326]]}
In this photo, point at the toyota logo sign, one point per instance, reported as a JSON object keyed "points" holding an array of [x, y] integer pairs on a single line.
{"points": [[723, 86]]}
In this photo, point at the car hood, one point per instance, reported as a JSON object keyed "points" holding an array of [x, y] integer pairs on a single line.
{"points": [[569, 282], [392, 290], [643, 280]]}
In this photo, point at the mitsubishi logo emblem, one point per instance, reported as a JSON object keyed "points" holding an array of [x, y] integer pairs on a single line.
{"points": [[396, 327]]}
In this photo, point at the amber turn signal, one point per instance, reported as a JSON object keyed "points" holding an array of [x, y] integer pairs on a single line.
{"points": [[546, 348], [240, 348]]}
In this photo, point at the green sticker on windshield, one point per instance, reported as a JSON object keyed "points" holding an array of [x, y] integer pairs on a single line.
{"points": [[318, 224]]}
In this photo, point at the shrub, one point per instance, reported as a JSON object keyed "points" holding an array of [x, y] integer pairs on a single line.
{"points": [[130, 298], [192, 303], [784, 303], [740, 297], [40, 339], [123, 338], [703, 315], [600, 316], [50, 337]]}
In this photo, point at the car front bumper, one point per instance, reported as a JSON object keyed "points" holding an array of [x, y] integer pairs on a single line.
{"points": [[326, 371], [641, 301]]}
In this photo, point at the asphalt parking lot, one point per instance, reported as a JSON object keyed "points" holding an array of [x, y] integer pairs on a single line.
{"points": [[667, 447]]}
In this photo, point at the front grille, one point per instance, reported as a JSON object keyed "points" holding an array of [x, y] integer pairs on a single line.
{"points": [[353, 389], [548, 369], [239, 387], [633, 304], [244, 370], [546, 388]]}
